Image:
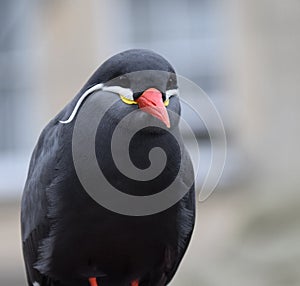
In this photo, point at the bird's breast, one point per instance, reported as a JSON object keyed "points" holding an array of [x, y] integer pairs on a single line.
{"points": [[103, 243]]}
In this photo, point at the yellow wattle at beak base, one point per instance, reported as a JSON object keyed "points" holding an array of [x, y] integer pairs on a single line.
{"points": [[127, 101]]}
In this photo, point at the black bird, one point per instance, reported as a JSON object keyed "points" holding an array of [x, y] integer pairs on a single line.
{"points": [[70, 239]]}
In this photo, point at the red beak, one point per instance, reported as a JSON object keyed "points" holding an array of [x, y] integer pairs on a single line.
{"points": [[151, 102]]}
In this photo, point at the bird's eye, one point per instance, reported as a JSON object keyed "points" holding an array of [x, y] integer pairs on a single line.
{"points": [[172, 83], [123, 81], [127, 101]]}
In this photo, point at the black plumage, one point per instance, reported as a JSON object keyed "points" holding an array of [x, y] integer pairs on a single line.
{"points": [[67, 236]]}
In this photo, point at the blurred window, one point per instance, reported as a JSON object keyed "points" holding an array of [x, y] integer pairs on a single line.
{"points": [[15, 65], [17, 118], [189, 32]]}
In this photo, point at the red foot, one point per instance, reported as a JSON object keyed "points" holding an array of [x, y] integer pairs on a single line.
{"points": [[93, 281], [135, 283]]}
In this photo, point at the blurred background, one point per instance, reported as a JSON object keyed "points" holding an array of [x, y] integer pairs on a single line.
{"points": [[244, 55]]}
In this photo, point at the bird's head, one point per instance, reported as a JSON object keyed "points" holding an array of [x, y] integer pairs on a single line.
{"points": [[142, 80], [145, 80]]}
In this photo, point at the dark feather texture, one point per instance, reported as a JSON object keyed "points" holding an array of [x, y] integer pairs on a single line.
{"points": [[68, 237]]}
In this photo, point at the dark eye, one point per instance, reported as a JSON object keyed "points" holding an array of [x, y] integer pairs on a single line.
{"points": [[123, 81], [172, 83]]}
